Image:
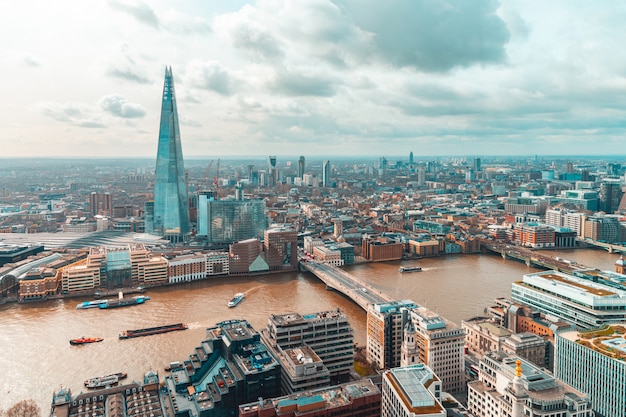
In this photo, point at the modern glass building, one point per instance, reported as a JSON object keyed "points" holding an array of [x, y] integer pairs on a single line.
{"points": [[228, 221], [575, 300], [171, 207], [594, 362]]}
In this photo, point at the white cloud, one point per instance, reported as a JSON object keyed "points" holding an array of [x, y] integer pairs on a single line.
{"points": [[120, 107]]}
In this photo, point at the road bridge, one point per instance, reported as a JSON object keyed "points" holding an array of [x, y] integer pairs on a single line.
{"points": [[339, 280]]}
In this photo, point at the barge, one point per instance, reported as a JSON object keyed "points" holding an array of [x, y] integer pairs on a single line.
{"points": [[127, 334]]}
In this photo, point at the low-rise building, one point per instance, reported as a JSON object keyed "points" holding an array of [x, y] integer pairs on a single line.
{"points": [[411, 391], [361, 398]]}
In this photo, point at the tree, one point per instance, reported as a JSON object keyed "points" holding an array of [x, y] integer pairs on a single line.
{"points": [[24, 408]]}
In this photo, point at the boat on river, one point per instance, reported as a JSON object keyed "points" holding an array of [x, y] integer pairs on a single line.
{"points": [[83, 340], [127, 334], [121, 301], [410, 269], [105, 381], [237, 298]]}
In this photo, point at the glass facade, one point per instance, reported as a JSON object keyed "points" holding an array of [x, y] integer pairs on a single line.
{"points": [[171, 207], [228, 221]]}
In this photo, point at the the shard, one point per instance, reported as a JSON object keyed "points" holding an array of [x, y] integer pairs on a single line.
{"points": [[171, 207]]}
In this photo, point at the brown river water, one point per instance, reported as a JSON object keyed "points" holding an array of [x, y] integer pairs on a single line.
{"points": [[37, 359]]}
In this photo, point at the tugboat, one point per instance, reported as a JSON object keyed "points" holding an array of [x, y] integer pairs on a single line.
{"points": [[236, 299], [410, 269], [83, 340]]}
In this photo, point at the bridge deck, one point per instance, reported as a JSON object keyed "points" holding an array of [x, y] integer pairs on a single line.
{"points": [[360, 292]]}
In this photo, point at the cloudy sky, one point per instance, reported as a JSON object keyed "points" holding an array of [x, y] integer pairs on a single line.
{"points": [[314, 77]]}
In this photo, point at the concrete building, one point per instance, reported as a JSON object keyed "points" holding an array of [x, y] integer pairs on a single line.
{"points": [[411, 391], [578, 301], [301, 369], [328, 333], [510, 386], [594, 361], [360, 398], [438, 343], [385, 327]]}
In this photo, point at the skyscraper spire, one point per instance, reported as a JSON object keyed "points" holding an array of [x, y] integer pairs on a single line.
{"points": [[171, 207]]}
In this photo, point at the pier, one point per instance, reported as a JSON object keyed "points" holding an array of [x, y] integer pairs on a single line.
{"points": [[339, 280]]}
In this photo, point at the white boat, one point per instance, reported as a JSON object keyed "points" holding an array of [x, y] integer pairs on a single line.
{"points": [[236, 299], [410, 269]]}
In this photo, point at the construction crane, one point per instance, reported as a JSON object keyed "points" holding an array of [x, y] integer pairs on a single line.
{"points": [[206, 175], [216, 184]]}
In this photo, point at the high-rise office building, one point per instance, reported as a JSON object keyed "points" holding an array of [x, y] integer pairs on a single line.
{"points": [[438, 343], [301, 167], [228, 221], [273, 172], [100, 203], [594, 362], [171, 207], [477, 165], [411, 158], [385, 326], [328, 333], [610, 195], [326, 174]]}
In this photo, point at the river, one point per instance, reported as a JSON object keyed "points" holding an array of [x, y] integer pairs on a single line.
{"points": [[37, 359]]}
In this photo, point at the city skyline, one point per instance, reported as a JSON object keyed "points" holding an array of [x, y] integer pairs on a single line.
{"points": [[317, 78]]}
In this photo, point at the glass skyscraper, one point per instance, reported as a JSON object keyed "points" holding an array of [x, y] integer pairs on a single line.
{"points": [[229, 221], [171, 207]]}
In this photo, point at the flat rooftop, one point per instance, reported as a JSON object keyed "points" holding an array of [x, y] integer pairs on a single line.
{"points": [[291, 319]]}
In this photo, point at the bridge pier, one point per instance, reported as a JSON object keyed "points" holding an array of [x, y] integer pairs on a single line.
{"points": [[504, 255]]}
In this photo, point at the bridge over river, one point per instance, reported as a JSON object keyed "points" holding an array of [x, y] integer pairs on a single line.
{"points": [[337, 279]]}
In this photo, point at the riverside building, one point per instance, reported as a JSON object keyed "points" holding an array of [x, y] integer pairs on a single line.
{"points": [[594, 361], [230, 367], [327, 333], [581, 302], [228, 221]]}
